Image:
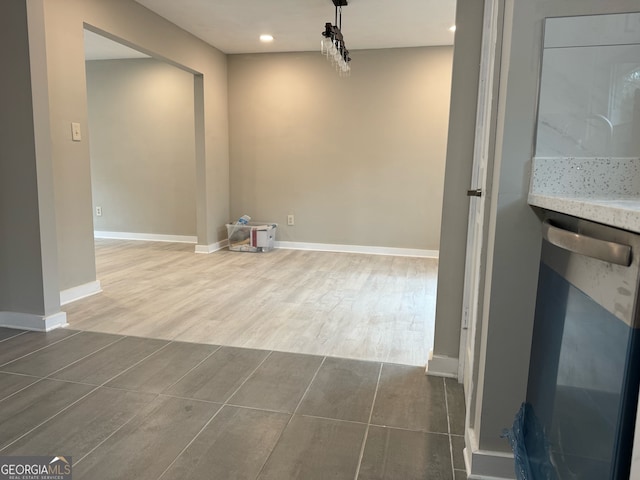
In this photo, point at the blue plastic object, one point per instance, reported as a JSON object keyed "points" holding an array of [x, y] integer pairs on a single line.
{"points": [[530, 446]]}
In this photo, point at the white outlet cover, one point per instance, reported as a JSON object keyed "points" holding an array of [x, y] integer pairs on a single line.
{"points": [[76, 133]]}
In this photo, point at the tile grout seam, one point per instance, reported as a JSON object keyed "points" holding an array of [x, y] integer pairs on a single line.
{"points": [[191, 441], [14, 336], [192, 368], [446, 403], [50, 417], [366, 431], [39, 349], [49, 377], [94, 389], [248, 377], [83, 358], [137, 363], [111, 435], [295, 410]]}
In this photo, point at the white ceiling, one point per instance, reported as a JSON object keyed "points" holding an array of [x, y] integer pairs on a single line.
{"points": [[234, 26], [97, 47]]}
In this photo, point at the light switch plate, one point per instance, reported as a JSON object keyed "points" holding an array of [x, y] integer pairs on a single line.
{"points": [[76, 134]]}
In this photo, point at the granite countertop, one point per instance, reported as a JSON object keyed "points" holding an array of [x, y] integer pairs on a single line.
{"points": [[604, 190]]}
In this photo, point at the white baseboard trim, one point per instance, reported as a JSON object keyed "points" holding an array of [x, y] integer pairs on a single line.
{"points": [[148, 237], [213, 247], [81, 291], [29, 321], [442, 366], [331, 247], [485, 464]]}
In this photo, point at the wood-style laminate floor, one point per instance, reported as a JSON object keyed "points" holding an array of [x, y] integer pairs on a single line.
{"points": [[367, 307]]}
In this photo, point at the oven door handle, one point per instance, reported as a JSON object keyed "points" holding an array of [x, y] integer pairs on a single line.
{"points": [[581, 244]]}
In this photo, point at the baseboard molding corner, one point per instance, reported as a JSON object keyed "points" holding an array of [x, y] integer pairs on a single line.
{"points": [[331, 247], [485, 464], [147, 237], [81, 291], [212, 247], [29, 321], [442, 366]]}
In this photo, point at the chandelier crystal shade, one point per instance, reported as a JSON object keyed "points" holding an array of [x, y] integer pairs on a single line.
{"points": [[333, 46]]}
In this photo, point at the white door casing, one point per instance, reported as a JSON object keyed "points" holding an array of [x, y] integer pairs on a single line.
{"points": [[485, 115]]}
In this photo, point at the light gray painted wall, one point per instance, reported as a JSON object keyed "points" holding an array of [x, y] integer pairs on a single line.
{"points": [[27, 281], [358, 160], [462, 124], [135, 25], [514, 238], [141, 116], [18, 181]]}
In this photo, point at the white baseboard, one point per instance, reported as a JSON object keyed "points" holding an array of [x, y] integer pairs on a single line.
{"points": [[213, 247], [330, 247], [81, 291], [148, 237], [442, 366], [485, 464], [28, 321]]}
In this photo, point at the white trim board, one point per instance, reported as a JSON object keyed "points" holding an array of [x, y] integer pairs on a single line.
{"points": [[212, 247], [485, 464], [331, 247], [29, 321], [81, 291], [442, 366], [147, 237]]}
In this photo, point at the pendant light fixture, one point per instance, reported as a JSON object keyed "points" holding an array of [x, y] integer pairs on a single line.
{"points": [[333, 46]]}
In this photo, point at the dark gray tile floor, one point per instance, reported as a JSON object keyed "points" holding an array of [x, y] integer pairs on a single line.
{"points": [[126, 407]]}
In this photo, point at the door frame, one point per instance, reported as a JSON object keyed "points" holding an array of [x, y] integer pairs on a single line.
{"points": [[482, 169]]}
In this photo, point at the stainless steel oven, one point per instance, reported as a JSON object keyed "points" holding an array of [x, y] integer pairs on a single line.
{"points": [[585, 363]]}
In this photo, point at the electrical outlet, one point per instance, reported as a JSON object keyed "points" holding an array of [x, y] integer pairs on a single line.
{"points": [[290, 220], [76, 133], [98, 211]]}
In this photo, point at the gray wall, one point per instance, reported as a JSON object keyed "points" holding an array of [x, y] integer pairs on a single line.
{"points": [[358, 160], [28, 281], [141, 116], [134, 25]]}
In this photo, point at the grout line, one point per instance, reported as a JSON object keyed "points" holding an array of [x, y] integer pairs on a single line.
{"points": [[86, 356], [50, 418], [366, 432], [193, 368], [21, 374], [247, 379], [405, 429], [103, 384], [446, 403], [113, 433], [185, 398], [295, 410], [137, 363], [41, 348], [191, 442], [332, 419], [96, 387], [23, 388], [246, 407], [20, 332]]}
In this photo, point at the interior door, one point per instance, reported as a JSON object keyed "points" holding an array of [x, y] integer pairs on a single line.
{"points": [[471, 308]]}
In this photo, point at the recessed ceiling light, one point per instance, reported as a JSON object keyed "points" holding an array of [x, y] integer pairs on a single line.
{"points": [[452, 29], [266, 38]]}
